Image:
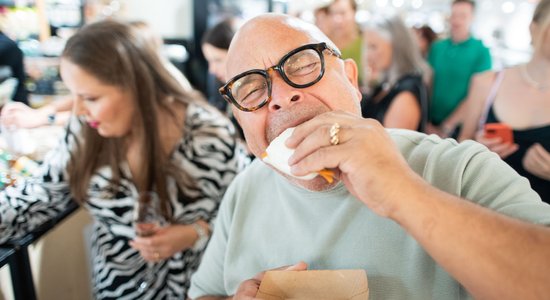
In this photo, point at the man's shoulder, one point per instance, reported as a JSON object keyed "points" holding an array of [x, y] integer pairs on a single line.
{"points": [[251, 179], [477, 43], [430, 152]]}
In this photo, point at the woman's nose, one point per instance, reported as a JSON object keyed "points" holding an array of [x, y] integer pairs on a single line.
{"points": [[79, 108]]}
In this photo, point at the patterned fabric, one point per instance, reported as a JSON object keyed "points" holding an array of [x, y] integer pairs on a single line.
{"points": [[207, 151]]}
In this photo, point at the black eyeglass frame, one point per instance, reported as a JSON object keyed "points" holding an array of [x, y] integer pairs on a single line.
{"points": [[225, 90]]}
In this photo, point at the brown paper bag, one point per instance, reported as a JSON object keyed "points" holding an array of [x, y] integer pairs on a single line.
{"points": [[314, 284]]}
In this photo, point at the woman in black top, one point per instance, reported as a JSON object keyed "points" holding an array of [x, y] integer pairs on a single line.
{"points": [[400, 99], [519, 97]]}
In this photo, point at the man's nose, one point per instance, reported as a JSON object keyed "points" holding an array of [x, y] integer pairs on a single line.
{"points": [[282, 94]]}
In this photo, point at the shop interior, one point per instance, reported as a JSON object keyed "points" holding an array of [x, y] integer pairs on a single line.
{"points": [[41, 28]]}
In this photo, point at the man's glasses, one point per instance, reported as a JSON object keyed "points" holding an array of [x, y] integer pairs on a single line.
{"points": [[300, 68]]}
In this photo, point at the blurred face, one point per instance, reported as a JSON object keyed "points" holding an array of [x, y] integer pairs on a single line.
{"points": [[216, 58], [379, 50], [289, 106], [541, 40], [342, 17], [107, 108], [462, 15]]}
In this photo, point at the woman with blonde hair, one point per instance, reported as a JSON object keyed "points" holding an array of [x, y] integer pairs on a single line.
{"points": [[399, 100], [135, 131], [518, 96]]}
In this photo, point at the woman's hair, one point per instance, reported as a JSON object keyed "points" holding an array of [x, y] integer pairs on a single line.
{"points": [[406, 57], [541, 17], [221, 34], [427, 33], [118, 55]]}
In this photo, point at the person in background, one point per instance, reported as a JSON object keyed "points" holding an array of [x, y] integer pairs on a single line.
{"points": [[400, 100], [321, 16], [454, 60], [135, 129], [58, 112], [408, 208], [215, 43], [342, 28], [425, 37], [518, 96], [12, 56]]}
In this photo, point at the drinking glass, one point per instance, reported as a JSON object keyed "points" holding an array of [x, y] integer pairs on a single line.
{"points": [[147, 220]]}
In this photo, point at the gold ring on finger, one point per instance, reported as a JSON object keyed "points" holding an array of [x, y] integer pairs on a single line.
{"points": [[334, 130]]}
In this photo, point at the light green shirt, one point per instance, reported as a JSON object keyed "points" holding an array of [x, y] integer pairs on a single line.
{"points": [[265, 222]]}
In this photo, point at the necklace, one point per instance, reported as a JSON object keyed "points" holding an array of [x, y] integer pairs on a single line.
{"points": [[532, 82]]}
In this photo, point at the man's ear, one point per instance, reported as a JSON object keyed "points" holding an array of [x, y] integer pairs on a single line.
{"points": [[350, 67]]}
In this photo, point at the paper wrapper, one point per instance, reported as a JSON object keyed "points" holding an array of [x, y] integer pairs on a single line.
{"points": [[277, 155], [315, 284]]}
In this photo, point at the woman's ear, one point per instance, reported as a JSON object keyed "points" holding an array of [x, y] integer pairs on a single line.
{"points": [[533, 30]]}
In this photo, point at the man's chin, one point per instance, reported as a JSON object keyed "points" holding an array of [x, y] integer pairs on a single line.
{"points": [[317, 184]]}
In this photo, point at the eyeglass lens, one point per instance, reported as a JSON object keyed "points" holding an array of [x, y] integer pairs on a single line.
{"points": [[301, 68]]}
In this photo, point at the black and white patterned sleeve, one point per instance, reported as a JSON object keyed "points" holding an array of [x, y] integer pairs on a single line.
{"points": [[39, 198], [214, 156]]}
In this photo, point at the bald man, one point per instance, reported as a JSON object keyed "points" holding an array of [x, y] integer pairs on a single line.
{"points": [[426, 218]]}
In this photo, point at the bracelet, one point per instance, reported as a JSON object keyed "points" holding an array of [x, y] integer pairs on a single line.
{"points": [[51, 119], [203, 236]]}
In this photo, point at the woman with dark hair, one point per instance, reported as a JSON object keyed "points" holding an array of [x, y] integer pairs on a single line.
{"points": [[215, 43], [425, 37], [134, 129]]}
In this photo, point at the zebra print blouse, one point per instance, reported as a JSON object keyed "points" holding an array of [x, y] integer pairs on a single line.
{"points": [[208, 151]]}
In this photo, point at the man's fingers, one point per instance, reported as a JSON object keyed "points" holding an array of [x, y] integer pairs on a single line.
{"points": [[300, 266]]}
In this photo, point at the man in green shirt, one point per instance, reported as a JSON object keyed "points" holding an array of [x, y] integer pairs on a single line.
{"points": [[342, 29], [454, 61], [426, 218]]}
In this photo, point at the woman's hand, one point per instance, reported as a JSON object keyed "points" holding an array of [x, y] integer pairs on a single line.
{"points": [[537, 161], [166, 241], [370, 165], [249, 288], [17, 114], [495, 144]]}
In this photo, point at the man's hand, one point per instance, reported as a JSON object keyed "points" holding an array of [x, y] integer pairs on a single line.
{"points": [[249, 288], [370, 165]]}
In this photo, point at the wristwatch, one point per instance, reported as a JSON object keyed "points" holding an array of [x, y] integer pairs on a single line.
{"points": [[203, 236]]}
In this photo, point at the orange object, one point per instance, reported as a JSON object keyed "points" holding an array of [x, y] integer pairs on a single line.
{"points": [[493, 130]]}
